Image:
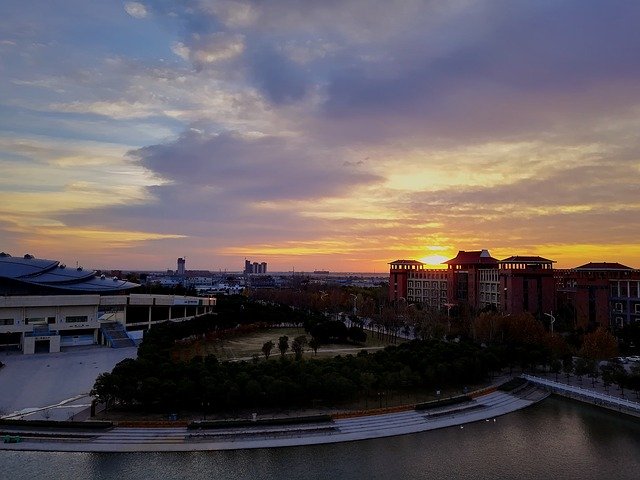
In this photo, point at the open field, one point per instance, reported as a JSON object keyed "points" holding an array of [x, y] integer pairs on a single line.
{"points": [[243, 347]]}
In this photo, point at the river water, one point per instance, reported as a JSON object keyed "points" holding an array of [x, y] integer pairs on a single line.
{"points": [[555, 439]]}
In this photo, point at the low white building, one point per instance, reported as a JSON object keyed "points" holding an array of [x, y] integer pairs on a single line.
{"points": [[51, 321], [45, 305]]}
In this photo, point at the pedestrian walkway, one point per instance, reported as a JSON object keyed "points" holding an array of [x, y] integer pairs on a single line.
{"points": [[590, 392], [486, 407]]}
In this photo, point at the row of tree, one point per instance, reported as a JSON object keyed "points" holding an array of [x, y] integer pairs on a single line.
{"points": [[155, 382]]}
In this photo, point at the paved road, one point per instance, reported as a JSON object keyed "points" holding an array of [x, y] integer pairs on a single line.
{"points": [[54, 385]]}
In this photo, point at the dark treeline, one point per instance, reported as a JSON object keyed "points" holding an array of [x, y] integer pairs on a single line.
{"points": [[154, 382]]}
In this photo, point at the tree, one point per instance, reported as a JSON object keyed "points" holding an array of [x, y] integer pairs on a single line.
{"points": [[620, 378], [357, 334], [607, 376], [567, 366], [599, 344], [582, 368], [556, 366], [283, 344], [266, 349], [297, 348], [314, 343], [104, 389]]}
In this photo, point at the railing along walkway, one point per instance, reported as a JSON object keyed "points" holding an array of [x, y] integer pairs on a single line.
{"points": [[591, 396]]}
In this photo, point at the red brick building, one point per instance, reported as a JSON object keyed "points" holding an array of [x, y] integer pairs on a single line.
{"points": [[527, 285], [600, 294], [594, 294], [468, 274], [474, 278]]}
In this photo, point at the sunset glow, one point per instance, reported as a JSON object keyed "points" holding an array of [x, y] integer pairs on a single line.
{"points": [[319, 135]]}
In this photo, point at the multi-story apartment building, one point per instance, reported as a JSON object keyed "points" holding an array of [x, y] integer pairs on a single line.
{"points": [[471, 277], [595, 294], [600, 294], [527, 285], [255, 267], [181, 266], [513, 285]]}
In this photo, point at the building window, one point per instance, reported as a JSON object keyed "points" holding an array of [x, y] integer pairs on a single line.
{"points": [[35, 321], [637, 308], [614, 289], [6, 321], [76, 319], [624, 289], [618, 307]]}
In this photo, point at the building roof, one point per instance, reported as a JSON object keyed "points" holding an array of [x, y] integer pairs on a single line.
{"points": [[51, 274], [472, 257], [406, 262], [526, 259], [603, 266]]}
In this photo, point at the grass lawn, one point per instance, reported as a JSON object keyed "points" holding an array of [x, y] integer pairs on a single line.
{"points": [[243, 347]]}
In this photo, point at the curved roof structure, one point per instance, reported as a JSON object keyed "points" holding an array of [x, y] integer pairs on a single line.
{"points": [[39, 273], [472, 258]]}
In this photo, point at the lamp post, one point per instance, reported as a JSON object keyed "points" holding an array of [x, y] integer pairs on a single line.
{"points": [[449, 306], [355, 299], [553, 319]]}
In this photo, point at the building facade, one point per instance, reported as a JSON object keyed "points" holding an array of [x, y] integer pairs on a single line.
{"points": [[54, 321], [594, 294], [600, 294], [474, 278], [45, 306], [255, 267], [181, 267]]}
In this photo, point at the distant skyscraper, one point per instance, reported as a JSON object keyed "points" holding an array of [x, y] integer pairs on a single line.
{"points": [[254, 267], [181, 262]]}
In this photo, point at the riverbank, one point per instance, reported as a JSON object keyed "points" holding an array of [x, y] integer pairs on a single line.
{"points": [[487, 406], [592, 394]]}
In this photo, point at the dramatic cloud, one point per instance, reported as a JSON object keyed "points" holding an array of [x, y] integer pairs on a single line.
{"points": [[135, 9], [334, 134]]}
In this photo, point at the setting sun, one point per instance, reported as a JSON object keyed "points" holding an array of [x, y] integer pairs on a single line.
{"points": [[434, 261]]}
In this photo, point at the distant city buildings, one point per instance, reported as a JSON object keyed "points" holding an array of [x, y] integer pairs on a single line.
{"points": [[255, 267], [594, 294], [181, 267]]}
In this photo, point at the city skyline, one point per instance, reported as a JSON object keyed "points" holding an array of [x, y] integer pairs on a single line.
{"points": [[338, 136]]}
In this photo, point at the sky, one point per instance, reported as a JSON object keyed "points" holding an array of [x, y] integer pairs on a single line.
{"points": [[333, 135]]}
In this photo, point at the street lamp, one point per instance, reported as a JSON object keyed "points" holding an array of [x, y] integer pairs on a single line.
{"points": [[553, 319], [449, 306], [355, 298]]}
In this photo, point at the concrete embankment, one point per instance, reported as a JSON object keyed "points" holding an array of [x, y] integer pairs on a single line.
{"points": [[474, 408], [586, 395]]}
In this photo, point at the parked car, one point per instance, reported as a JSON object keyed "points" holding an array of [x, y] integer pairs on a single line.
{"points": [[634, 358]]}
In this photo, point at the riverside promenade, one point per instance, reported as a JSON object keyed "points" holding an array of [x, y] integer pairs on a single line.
{"points": [[486, 405], [593, 392]]}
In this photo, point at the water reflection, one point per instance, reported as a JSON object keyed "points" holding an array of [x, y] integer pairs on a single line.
{"points": [[554, 439]]}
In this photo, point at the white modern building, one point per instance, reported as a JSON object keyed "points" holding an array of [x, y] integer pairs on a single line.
{"points": [[45, 306]]}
